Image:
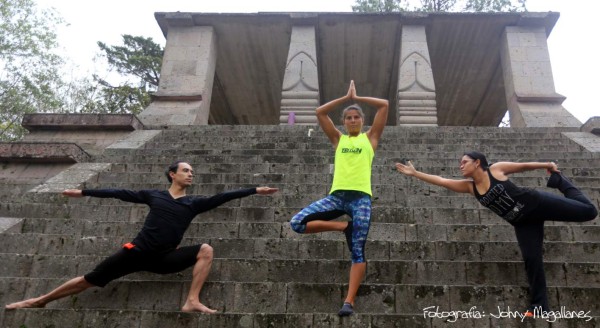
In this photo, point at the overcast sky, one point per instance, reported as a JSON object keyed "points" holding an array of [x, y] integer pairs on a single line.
{"points": [[573, 51]]}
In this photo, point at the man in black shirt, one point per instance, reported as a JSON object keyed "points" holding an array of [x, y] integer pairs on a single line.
{"points": [[155, 248]]}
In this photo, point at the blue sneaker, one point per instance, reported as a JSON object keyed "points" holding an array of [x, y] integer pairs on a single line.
{"points": [[346, 310]]}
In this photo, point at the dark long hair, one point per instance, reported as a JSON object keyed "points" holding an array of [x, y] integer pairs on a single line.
{"points": [[475, 155]]}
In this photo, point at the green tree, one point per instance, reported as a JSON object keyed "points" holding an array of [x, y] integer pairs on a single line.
{"points": [[138, 62], [495, 5], [439, 5], [436, 5], [29, 68], [367, 6]]}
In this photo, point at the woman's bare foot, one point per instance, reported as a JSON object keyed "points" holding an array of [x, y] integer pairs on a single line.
{"points": [[30, 303], [196, 306]]}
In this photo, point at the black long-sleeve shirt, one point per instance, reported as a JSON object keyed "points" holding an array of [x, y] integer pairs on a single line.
{"points": [[168, 218]]}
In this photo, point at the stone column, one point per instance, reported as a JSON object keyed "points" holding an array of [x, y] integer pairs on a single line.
{"points": [[300, 92], [530, 95], [186, 78], [416, 89]]}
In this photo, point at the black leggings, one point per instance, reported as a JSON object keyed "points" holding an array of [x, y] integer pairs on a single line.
{"points": [[573, 207], [127, 261]]}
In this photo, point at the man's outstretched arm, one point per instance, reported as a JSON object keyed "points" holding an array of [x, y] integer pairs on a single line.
{"points": [[122, 194], [221, 198]]}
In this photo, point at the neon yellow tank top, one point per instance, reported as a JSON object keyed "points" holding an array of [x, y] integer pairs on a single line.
{"points": [[352, 169]]}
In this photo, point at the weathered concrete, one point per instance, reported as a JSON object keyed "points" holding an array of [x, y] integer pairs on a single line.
{"points": [[592, 125], [464, 52], [81, 122], [589, 141], [529, 85], [71, 178], [186, 79], [416, 88], [19, 177], [300, 92], [10, 224], [42, 152], [426, 246], [135, 140], [92, 132]]}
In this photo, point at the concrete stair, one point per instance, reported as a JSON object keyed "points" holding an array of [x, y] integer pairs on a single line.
{"points": [[427, 246]]}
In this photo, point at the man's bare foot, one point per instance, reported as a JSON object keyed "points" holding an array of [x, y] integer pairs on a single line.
{"points": [[30, 303], [196, 306]]}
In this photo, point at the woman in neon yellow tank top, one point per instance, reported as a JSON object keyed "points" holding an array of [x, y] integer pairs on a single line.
{"points": [[351, 188]]}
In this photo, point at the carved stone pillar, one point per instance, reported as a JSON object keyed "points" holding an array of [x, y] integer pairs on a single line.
{"points": [[186, 78], [416, 89], [300, 92], [528, 82]]}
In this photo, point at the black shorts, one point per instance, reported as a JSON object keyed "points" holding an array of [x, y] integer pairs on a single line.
{"points": [[127, 261]]}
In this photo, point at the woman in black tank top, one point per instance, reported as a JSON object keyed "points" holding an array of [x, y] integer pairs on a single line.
{"points": [[525, 209]]}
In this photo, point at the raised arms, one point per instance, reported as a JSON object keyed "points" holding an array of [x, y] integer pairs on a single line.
{"points": [[325, 121], [380, 119], [379, 122]]}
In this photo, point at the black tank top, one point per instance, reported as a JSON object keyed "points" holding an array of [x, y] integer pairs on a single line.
{"points": [[507, 200]]}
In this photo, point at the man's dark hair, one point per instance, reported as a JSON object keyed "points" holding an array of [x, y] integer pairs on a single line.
{"points": [[172, 168]]}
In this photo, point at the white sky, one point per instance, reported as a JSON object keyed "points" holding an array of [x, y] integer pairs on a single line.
{"points": [[573, 53]]}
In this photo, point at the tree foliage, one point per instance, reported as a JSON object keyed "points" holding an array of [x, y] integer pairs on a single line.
{"points": [[436, 5], [439, 5], [367, 6], [138, 61], [29, 74], [33, 76], [495, 5]]}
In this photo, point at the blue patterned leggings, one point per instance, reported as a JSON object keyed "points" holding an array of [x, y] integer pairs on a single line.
{"points": [[354, 203]]}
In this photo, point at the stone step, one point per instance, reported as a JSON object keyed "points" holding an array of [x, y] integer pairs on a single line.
{"points": [[322, 145], [380, 172], [311, 248], [9, 190], [471, 213], [427, 246], [165, 157], [387, 144], [476, 133], [322, 142], [161, 319], [450, 166], [300, 149], [280, 171], [421, 272], [319, 183], [275, 229], [423, 157], [479, 317], [296, 196], [294, 183], [295, 298], [446, 132]]}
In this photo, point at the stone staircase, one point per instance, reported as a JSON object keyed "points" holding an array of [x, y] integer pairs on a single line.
{"points": [[427, 246]]}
